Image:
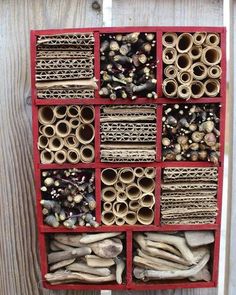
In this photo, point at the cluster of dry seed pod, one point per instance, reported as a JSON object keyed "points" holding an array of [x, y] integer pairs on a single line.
{"points": [[88, 258], [68, 197], [191, 65], [128, 196], [172, 256], [66, 134], [191, 132], [128, 65], [64, 66]]}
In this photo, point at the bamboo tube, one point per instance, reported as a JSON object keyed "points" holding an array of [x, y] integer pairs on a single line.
{"points": [[212, 39], [109, 176], [170, 87], [131, 218], [63, 128], [107, 206], [169, 39], [108, 194], [46, 157], [87, 153], [133, 191], [134, 205], [138, 171], [126, 175], [170, 72], [108, 218], [74, 122], [211, 55], [48, 130], [42, 142], [120, 221], [212, 87], [146, 184], [73, 156], [145, 215], [197, 89], [199, 38], [184, 92], [71, 141], [120, 186], [73, 111], [121, 196], [87, 114], [150, 172], [169, 55], [214, 72], [195, 52], [147, 200], [183, 62], [120, 209], [184, 42], [60, 157], [56, 143], [60, 111], [199, 71], [46, 115], [41, 129], [185, 77], [85, 133]]}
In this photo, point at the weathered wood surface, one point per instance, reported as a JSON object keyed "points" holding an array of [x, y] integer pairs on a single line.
{"points": [[19, 268]]}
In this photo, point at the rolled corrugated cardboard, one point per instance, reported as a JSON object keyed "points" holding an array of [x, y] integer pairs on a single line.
{"points": [[133, 191], [195, 52], [87, 153], [71, 141], [184, 92], [138, 171], [211, 55], [48, 130], [56, 143], [73, 111], [46, 157], [169, 39], [197, 89], [170, 87], [109, 176], [108, 218], [131, 218], [126, 175], [199, 38], [46, 115], [120, 209], [42, 142], [63, 128], [146, 184], [214, 72], [145, 215], [87, 114], [147, 200], [212, 39], [169, 55], [212, 87], [184, 42], [60, 111], [150, 172], [170, 72], [60, 157], [85, 133], [107, 206], [73, 156], [108, 194], [199, 71], [183, 62]]}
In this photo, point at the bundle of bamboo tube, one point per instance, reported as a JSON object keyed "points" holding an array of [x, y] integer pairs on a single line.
{"points": [[64, 66], [172, 256], [66, 134], [68, 198], [88, 259], [191, 132], [128, 65], [191, 65], [128, 195]]}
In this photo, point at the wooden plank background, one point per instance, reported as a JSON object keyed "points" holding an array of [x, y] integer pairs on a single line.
{"points": [[19, 264]]}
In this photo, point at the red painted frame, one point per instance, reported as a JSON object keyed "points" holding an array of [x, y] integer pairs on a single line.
{"points": [[130, 283]]}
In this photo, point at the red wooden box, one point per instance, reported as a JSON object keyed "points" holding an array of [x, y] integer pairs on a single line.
{"points": [[130, 284]]}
